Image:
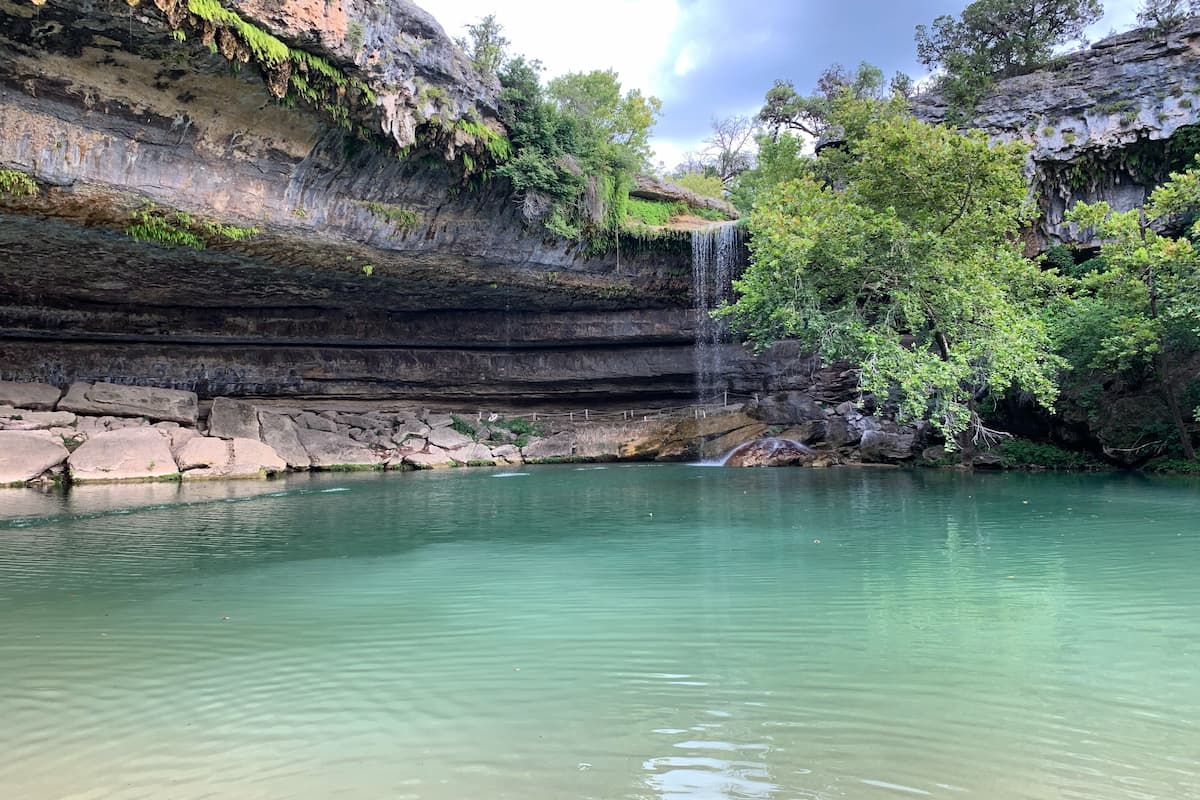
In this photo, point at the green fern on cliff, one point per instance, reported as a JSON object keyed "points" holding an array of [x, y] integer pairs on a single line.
{"points": [[16, 184], [171, 227]]}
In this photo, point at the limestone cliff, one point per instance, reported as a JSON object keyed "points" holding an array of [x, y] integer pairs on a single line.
{"points": [[347, 136], [1107, 123]]}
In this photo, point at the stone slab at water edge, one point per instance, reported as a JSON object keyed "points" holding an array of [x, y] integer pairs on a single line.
{"points": [[104, 432]]}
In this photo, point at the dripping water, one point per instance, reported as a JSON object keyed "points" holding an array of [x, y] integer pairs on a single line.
{"points": [[716, 255]]}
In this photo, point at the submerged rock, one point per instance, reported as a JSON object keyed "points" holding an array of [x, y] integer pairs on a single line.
{"points": [[771, 453]]}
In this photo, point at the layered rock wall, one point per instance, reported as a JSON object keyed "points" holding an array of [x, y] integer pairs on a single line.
{"points": [[1107, 123]]}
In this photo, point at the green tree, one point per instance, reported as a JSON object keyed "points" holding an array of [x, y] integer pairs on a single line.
{"points": [[912, 269], [485, 45], [824, 111], [702, 184], [1148, 288], [999, 38], [595, 99], [834, 118], [1164, 17]]}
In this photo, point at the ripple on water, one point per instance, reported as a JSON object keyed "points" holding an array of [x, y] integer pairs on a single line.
{"points": [[394, 640]]}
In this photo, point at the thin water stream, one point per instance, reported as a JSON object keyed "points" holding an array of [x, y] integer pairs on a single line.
{"points": [[625, 632], [716, 256]]}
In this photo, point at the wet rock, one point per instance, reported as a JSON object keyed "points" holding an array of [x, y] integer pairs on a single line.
{"points": [[24, 455], [880, 447], [141, 454], [733, 440], [152, 403], [771, 453], [986, 460], [448, 438], [34, 396], [231, 419], [807, 432], [934, 455], [332, 451]]}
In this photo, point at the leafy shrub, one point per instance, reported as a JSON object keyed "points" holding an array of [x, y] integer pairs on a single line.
{"points": [[462, 426], [1024, 453], [16, 184]]}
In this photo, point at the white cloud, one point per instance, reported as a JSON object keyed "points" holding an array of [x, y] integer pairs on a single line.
{"points": [[685, 62], [629, 36]]}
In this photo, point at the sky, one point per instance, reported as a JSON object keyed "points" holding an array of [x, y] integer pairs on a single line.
{"points": [[711, 59]]}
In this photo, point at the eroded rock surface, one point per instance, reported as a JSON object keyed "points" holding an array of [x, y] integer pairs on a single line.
{"points": [[1100, 122], [24, 455], [133, 454], [153, 403]]}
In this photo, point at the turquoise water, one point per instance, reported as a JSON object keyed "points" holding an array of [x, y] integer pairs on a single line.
{"points": [[629, 632]]}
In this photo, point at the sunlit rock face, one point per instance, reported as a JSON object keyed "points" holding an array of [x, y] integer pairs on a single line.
{"points": [[1108, 123]]}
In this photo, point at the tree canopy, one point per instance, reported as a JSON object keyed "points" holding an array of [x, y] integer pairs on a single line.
{"points": [[999, 38], [911, 269], [1143, 304]]}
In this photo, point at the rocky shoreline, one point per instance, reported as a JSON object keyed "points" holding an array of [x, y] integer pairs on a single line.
{"points": [[109, 433]]}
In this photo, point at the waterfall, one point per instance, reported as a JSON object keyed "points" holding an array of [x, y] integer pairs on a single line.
{"points": [[716, 255]]}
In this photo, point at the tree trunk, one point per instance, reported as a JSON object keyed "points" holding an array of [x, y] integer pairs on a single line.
{"points": [[1168, 385]]}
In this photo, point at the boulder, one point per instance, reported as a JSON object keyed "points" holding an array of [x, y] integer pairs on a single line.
{"points": [[19, 419], [332, 451], [448, 438], [432, 458], [410, 427], [231, 419], [560, 445], [203, 451], [136, 454], [34, 396], [207, 458], [280, 432], [316, 423], [439, 420], [360, 421], [507, 453], [881, 447], [807, 432], [475, 454], [155, 404], [771, 452], [786, 408], [24, 455], [178, 437]]}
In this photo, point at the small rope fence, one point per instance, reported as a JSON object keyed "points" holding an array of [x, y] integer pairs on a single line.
{"points": [[698, 411]]}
